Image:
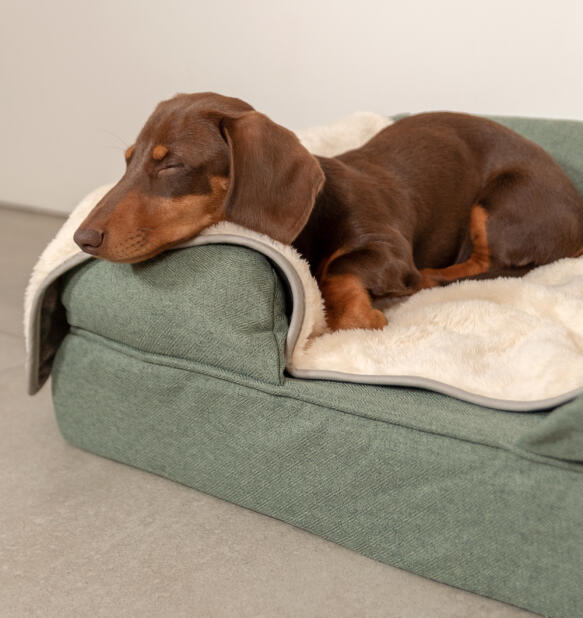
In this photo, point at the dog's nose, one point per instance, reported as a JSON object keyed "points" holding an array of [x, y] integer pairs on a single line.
{"points": [[88, 239]]}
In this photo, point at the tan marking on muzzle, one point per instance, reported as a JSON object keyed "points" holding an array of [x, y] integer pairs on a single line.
{"points": [[129, 152], [141, 226]]}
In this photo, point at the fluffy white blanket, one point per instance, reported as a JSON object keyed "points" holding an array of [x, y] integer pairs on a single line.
{"points": [[514, 340]]}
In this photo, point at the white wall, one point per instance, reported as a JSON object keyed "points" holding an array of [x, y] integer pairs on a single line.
{"points": [[79, 77]]}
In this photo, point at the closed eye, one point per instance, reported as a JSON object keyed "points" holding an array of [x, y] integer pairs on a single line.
{"points": [[170, 169]]}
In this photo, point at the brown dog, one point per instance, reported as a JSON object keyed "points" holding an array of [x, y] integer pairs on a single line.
{"points": [[433, 198]]}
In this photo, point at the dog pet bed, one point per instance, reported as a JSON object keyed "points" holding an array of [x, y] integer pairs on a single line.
{"points": [[193, 366]]}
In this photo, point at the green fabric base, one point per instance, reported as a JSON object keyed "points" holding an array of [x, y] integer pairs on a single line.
{"points": [[474, 515], [485, 500]]}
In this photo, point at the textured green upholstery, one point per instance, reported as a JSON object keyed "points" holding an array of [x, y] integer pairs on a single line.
{"points": [[176, 366], [241, 325]]}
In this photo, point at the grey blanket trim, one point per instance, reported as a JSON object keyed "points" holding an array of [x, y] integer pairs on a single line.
{"points": [[34, 369]]}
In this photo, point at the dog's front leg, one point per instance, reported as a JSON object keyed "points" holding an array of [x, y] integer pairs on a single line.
{"points": [[350, 279], [348, 303]]}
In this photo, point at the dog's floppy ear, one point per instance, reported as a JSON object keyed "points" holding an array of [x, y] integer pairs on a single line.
{"points": [[274, 180]]}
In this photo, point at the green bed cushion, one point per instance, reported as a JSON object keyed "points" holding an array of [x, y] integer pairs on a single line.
{"points": [[483, 499]]}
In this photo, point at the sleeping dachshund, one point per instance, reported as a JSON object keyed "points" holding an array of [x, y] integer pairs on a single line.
{"points": [[431, 199]]}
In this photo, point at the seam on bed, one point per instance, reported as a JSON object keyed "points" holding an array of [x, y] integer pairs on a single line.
{"points": [[270, 388], [136, 352]]}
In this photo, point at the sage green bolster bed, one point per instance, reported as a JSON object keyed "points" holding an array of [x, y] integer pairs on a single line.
{"points": [[177, 365]]}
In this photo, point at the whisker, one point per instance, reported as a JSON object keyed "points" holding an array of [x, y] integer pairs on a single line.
{"points": [[124, 146]]}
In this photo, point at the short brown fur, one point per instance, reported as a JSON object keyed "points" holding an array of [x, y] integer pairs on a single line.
{"points": [[433, 198], [479, 260]]}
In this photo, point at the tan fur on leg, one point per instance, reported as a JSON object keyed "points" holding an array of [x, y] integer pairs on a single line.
{"points": [[348, 304]]}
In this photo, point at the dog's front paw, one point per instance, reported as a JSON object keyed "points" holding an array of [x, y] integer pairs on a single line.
{"points": [[369, 319]]}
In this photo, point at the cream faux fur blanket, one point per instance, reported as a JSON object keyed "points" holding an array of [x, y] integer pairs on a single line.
{"points": [[507, 343]]}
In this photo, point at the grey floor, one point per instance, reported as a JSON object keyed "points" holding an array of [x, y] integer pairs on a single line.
{"points": [[84, 536]]}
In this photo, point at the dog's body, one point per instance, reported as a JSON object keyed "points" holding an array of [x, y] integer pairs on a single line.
{"points": [[430, 199]]}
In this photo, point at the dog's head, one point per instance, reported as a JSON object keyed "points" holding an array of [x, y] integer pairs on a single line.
{"points": [[201, 159]]}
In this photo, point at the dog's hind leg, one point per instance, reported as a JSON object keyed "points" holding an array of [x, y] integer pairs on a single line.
{"points": [[479, 261]]}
